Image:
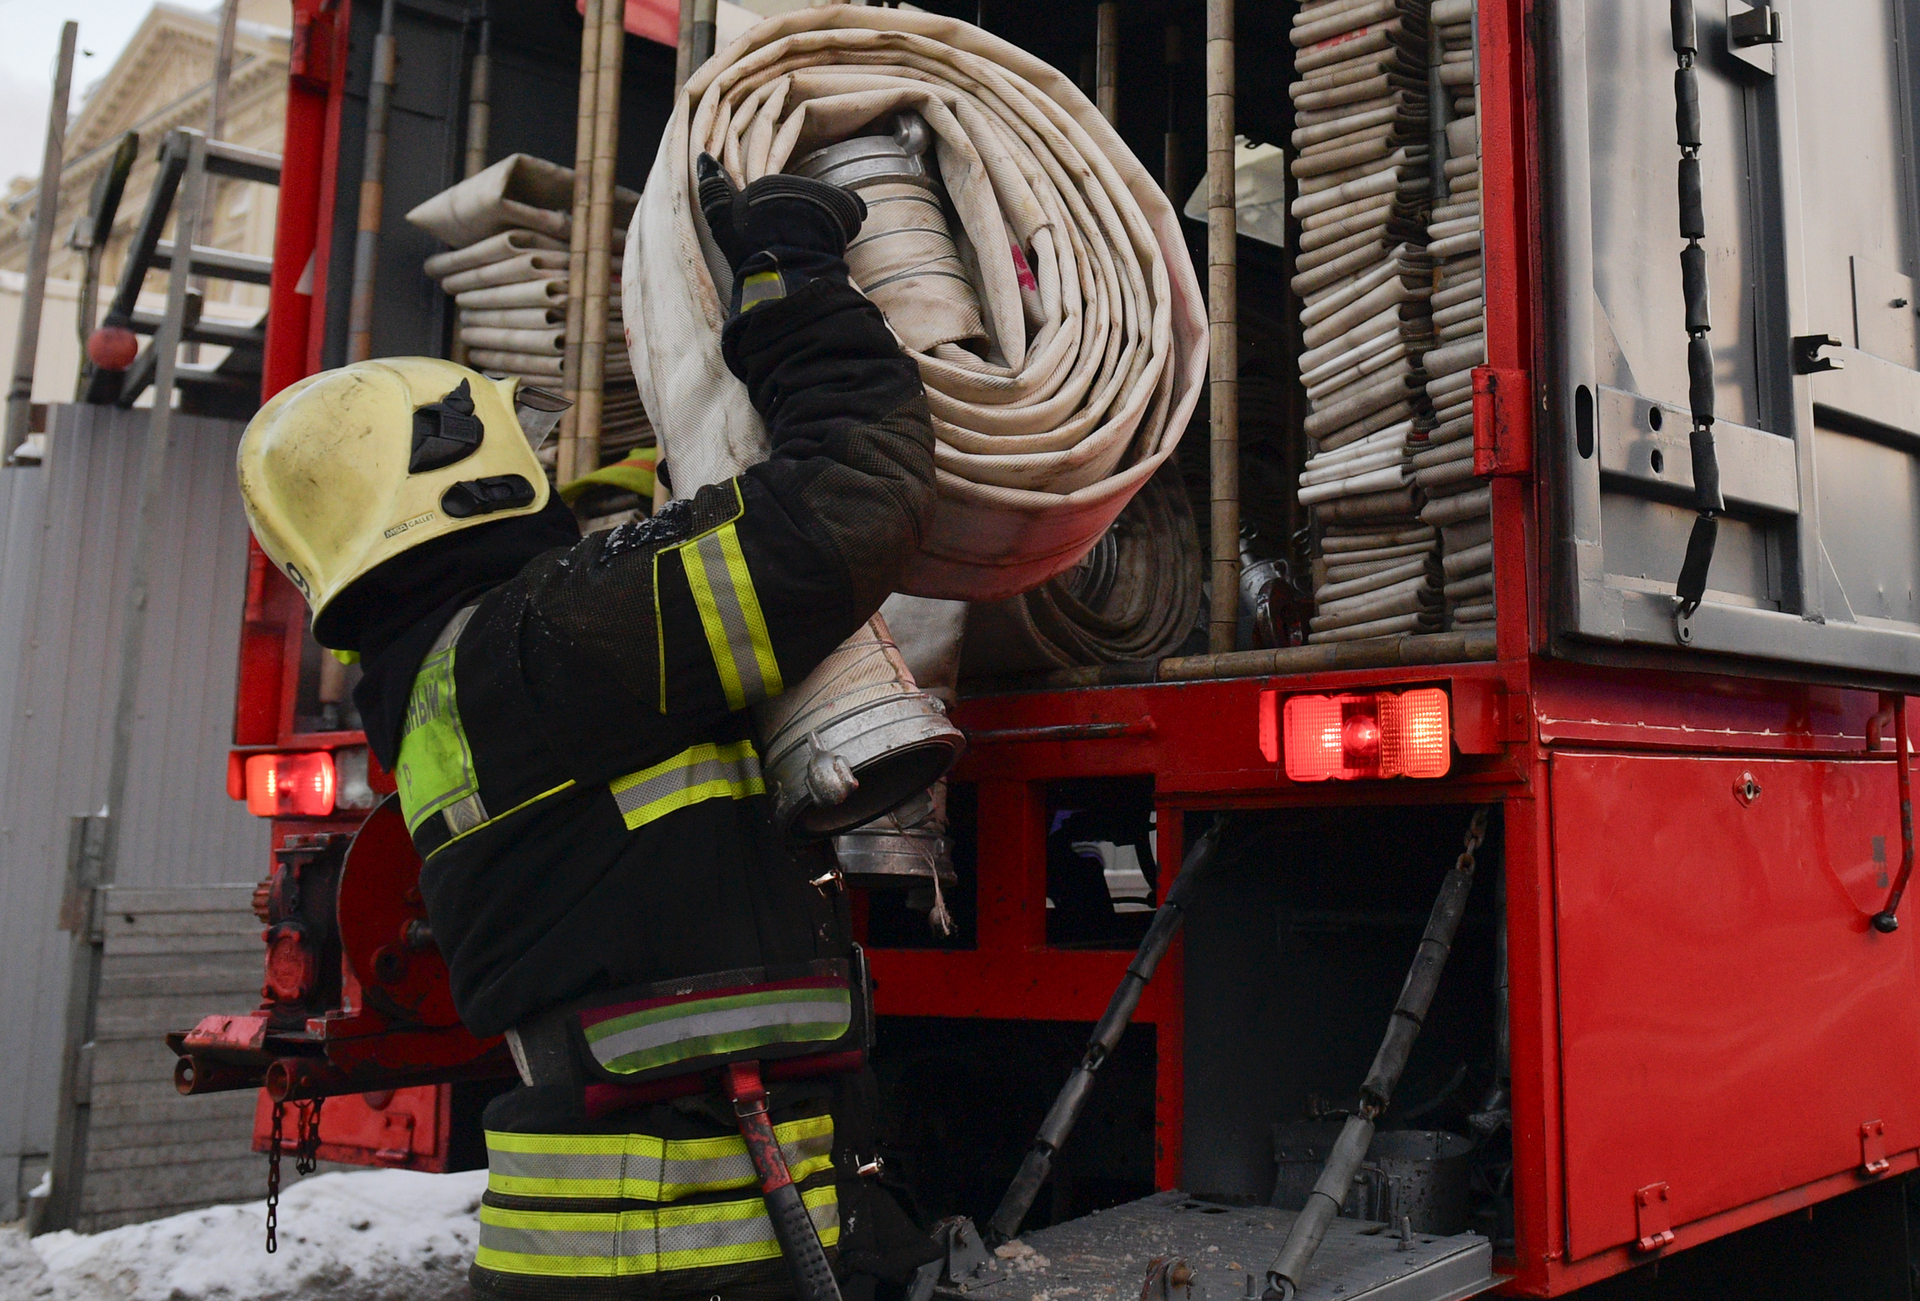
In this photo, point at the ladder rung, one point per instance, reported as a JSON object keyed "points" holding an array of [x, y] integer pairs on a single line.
{"points": [[227, 334], [242, 164], [219, 263]]}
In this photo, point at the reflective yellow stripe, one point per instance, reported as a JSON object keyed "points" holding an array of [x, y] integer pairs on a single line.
{"points": [[641, 1167], [761, 287], [604, 1244], [730, 614], [700, 772], [759, 640]]}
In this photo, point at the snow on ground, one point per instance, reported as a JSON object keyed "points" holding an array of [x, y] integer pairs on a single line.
{"points": [[372, 1235]]}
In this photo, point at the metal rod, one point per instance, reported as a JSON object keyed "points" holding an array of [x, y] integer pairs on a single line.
{"points": [[606, 148], [73, 1115], [568, 467], [1223, 393], [706, 18], [202, 232], [1058, 1125], [373, 191], [96, 847], [1106, 68], [26, 348], [1170, 161], [1289, 1266], [479, 101], [683, 50]]}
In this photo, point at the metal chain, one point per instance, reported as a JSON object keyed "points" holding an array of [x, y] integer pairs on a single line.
{"points": [[1476, 835], [273, 1177], [306, 1156], [1692, 583]]}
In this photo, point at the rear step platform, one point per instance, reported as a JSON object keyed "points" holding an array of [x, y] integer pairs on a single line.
{"points": [[1106, 1257]]}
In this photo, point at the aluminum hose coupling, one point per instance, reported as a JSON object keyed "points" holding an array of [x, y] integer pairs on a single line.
{"points": [[904, 258], [854, 740]]}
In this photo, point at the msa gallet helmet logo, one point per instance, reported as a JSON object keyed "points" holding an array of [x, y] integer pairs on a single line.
{"points": [[406, 524]]}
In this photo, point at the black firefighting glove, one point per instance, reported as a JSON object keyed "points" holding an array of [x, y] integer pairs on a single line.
{"points": [[779, 233]]}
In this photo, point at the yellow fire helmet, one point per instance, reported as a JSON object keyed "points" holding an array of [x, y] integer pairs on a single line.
{"points": [[349, 468]]}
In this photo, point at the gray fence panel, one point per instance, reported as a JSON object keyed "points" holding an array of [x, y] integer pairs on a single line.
{"points": [[68, 533]]}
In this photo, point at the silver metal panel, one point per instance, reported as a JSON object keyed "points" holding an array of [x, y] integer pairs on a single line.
{"points": [[1756, 468], [1104, 1256], [1885, 312], [1812, 229], [66, 530]]}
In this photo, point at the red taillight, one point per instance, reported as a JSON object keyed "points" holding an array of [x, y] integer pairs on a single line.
{"points": [[300, 785], [1372, 734]]}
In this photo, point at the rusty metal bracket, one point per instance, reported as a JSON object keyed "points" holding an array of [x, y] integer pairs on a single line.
{"points": [[1502, 421]]}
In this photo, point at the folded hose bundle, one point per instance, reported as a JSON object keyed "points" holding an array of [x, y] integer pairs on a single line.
{"points": [[1458, 501], [1362, 147], [1135, 596], [1056, 399], [507, 276]]}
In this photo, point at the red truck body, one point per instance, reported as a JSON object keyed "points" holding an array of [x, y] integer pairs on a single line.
{"points": [[1706, 1030]]}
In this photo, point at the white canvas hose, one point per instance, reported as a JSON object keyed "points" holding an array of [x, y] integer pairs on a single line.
{"points": [[1095, 331]]}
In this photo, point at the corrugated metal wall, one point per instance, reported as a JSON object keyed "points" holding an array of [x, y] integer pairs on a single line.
{"points": [[66, 535]]}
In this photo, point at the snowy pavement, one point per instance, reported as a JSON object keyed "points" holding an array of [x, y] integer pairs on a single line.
{"points": [[372, 1235]]}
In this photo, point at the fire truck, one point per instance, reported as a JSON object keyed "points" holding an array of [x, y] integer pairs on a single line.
{"points": [[1680, 1027]]}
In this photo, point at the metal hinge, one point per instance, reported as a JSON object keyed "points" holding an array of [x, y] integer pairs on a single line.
{"points": [[1502, 421], [1873, 1149], [1653, 1217]]}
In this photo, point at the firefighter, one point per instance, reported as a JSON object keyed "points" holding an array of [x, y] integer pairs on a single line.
{"points": [[564, 719]]}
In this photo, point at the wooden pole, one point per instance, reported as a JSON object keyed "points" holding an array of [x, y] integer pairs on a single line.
{"points": [[683, 51], [1223, 394], [706, 28], [479, 128], [569, 466], [1106, 68], [373, 191], [600, 236], [46, 211]]}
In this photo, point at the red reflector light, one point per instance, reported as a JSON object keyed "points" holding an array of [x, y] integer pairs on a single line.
{"points": [[1372, 734], [300, 785]]}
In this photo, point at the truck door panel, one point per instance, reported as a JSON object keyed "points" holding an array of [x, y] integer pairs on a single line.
{"points": [[1810, 198], [1728, 1018]]}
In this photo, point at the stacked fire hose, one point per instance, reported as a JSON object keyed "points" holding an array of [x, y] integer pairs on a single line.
{"points": [[507, 275], [1458, 503], [1362, 162], [1025, 259]]}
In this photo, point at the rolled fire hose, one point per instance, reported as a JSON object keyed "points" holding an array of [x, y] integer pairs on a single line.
{"points": [[1135, 596], [1092, 340], [1056, 321]]}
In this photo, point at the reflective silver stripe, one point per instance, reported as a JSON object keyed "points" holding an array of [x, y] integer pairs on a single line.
{"points": [[818, 1017], [701, 772], [455, 626]]}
